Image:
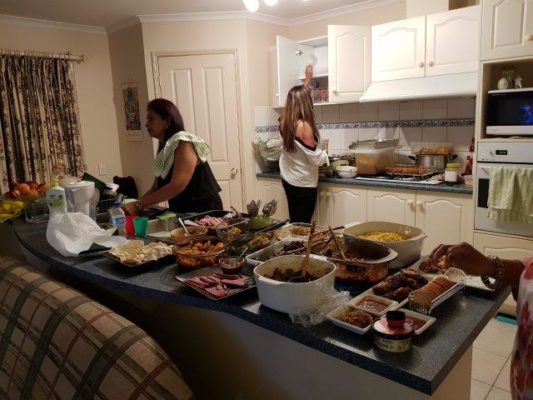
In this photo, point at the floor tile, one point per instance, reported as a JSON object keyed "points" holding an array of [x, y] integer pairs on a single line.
{"points": [[498, 394], [502, 382], [479, 390], [497, 338], [486, 366]]}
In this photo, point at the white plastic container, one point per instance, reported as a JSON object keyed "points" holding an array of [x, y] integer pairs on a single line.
{"points": [[289, 297], [408, 250], [56, 199]]}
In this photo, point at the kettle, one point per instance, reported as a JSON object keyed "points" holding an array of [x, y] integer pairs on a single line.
{"points": [[82, 197]]}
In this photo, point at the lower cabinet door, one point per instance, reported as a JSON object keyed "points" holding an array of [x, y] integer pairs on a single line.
{"points": [[392, 206], [503, 246], [445, 218], [272, 189], [323, 212], [347, 204]]}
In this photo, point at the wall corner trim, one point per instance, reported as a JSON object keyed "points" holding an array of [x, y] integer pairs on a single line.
{"points": [[41, 23]]}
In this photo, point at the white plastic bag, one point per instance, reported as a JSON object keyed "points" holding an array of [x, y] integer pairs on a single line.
{"points": [[331, 299], [72, 233]]}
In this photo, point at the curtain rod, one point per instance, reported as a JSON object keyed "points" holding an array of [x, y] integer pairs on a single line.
{"points": [[64, 56]]}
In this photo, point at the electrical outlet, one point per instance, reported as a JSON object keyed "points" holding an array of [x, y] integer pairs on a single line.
{"points": [[102, 169]]}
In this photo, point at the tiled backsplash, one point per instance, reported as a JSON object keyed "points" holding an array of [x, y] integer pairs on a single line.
{"points": [[448, 120]]}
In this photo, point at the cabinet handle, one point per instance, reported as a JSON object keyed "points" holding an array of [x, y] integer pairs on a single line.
{"points": [[529, 37], [420, 205], [321, 194], [431, 63], [334, 90], [233, 172], [411, 204], [328, 195], [422, 64]]}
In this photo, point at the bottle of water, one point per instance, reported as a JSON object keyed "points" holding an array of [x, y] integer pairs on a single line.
{"points": [[117, 216]]}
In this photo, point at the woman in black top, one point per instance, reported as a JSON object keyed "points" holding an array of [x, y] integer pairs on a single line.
{"points": [[183, 176]]}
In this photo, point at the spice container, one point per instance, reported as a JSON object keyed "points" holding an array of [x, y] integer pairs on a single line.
{"points": [[393, 333], [451, 174]]}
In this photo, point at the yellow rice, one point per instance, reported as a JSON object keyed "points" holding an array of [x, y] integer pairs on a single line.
{"points": [[382, 236]]}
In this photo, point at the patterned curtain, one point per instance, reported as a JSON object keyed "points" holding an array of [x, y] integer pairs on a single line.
{"points": [[39, 123]]}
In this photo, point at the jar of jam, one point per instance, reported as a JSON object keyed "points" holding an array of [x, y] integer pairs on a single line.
{"points": [[392, 332]]}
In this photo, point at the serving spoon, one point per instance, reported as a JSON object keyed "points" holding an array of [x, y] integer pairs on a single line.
{"points": [[305, 276], [183, 226]]}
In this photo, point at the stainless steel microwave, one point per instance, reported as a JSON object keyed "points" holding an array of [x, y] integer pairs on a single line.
{"points": [[510, 112]]}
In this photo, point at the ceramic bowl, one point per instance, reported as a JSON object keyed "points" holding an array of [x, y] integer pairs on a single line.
{"points": [[346, 171]]}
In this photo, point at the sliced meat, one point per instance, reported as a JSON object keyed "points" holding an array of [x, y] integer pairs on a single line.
{"points": [[217, 291], [238, 283]]}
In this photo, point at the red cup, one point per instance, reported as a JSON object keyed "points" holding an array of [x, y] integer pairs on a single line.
{"points": [[129, 228]]}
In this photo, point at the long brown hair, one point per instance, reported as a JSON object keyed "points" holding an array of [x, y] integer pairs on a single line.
{"points": [[298, 107], [168, 111]]}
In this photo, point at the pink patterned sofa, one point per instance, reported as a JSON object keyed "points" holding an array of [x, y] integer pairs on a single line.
{"points": [[56, 343]]}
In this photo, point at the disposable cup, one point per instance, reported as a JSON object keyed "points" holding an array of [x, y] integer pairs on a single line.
{"points": [[128, 225], [141, 225]]}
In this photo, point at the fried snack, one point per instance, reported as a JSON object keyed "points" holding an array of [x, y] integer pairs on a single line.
{"points": [[434, 267], [134, 252]]}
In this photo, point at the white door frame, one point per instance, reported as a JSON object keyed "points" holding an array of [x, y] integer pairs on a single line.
{"points": [[157, 55]]}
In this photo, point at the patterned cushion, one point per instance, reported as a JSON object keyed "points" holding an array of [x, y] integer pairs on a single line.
{"points": [[55, 343]]}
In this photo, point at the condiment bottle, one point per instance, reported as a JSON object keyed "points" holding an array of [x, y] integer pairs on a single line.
{"points": [[56, 199], [393, 333], [451, 174]]}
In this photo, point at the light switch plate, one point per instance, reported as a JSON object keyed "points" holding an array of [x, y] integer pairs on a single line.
{"points": [[102, 169]]}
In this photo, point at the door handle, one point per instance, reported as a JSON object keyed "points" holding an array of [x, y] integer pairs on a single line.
{"points": [[411, 204], [431, 63], [233, 172], [529, 37], [422, 64]]}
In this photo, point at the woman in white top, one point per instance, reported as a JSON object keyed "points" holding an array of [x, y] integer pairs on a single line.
{"points": [[300, 158]]}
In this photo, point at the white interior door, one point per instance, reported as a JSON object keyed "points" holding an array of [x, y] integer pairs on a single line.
{"points": [[349, 62], [445, 31], [398, 49], [507, 27], [291, 58], [204, 87]]}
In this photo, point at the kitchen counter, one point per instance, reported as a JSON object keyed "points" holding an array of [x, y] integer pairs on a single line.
{"points": [[392, 184], [424, 368]]}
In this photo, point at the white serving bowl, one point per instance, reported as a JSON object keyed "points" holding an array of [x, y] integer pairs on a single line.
{"points": [[408, 250], [346, 171], [289, 297]]}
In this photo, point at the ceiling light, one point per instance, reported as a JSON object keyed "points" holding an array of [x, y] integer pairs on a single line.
{"points": [[270, 2], [251, 5]]}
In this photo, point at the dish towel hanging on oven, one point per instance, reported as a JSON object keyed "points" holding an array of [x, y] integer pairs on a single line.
{"points": [[511, 194]]}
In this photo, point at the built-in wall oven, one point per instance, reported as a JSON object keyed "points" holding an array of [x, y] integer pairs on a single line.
{"points": [[497, 154]]}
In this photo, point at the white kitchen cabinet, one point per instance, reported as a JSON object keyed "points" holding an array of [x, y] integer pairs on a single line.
{"points": [[503, 246], [289, 64], [391, 205], [398, 49], [507, 29], [445, 218], [438, 44], [341, 204], [452, 41], [349, 62], [272, 189]]}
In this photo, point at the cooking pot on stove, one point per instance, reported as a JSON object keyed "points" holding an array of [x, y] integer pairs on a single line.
{"points": [[435, 162]]}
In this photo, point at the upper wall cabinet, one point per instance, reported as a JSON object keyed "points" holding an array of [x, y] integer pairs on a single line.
{"points": [[287, 67], [507, 27], [439, 44], [452, 41], [398, 49], [349, 52]]}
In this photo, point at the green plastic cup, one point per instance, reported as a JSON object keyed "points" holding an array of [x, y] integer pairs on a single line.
{"points": [[141, 226]]}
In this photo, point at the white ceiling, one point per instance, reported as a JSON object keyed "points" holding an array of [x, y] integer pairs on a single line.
{"points": [[106, 13]]}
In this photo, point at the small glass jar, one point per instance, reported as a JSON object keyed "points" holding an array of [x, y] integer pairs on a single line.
{"points": [[452, 172]]}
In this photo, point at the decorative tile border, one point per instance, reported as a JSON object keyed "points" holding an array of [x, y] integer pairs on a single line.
{"points": [[417, 123]]}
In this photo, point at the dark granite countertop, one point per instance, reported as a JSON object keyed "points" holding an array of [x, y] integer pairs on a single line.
{"points": [[360, 181], [434, 353]]}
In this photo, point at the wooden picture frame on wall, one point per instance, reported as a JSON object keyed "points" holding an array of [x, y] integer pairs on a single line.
{"points": [[130, 99]]}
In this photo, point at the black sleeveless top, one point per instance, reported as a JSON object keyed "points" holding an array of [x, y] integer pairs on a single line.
{"points": [[201, 193]]}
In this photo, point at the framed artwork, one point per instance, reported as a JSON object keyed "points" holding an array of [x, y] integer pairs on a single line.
{"points": [[130, 97]]}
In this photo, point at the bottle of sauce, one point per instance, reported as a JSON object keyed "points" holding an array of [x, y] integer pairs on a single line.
{"points": [[56, 199]]}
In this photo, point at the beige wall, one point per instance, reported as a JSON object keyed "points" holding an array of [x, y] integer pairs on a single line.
{"points": [[93, 82], [373, 16], [127, 62], [251, 40]]}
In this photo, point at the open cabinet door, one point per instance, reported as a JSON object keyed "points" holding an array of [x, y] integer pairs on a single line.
{"points": [[291, 58], [349, 52]]}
